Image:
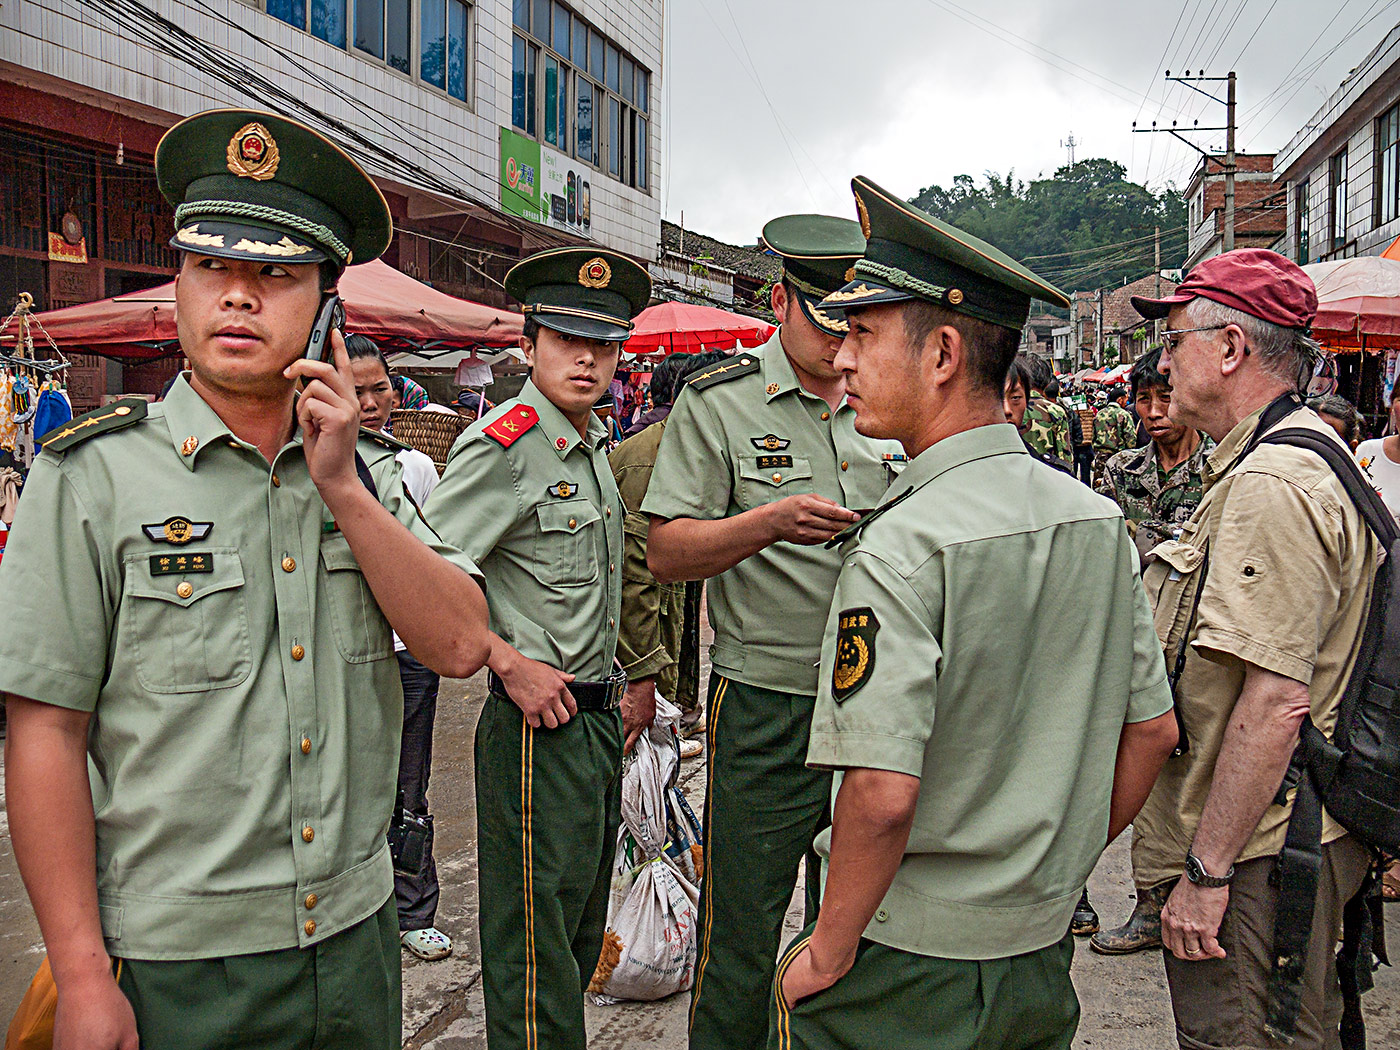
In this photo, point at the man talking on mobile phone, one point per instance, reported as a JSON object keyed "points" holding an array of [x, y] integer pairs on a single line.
{"points": [[204, 595]]}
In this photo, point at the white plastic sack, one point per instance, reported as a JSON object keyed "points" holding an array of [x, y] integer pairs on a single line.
{"points": [[649, 948]]}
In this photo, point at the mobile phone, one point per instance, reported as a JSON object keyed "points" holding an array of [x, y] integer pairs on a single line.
{"points": [[332, 315]]}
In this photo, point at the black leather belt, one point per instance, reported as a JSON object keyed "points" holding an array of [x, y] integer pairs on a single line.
{"points": [[590, 696]]}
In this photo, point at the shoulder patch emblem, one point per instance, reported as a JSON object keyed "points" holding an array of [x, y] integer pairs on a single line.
{"points": [[770, 443], [509, 427], [102, 420], [855, 651], [740, 366]]}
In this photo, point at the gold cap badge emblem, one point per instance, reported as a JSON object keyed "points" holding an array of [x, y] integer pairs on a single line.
{"points": [[955, 296], [188, 446], [596, 273], [864, 217], [851, 274], [252, 153], [772, 388]]}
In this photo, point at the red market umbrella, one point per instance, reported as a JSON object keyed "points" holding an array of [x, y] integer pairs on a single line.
{"points": [[380, 302], [1358, 303], [669, 327]]}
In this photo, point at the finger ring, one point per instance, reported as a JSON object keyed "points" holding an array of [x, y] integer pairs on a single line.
{"points": [[1193, 951]]}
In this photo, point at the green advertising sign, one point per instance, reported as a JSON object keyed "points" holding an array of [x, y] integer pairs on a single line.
{"points": [[520, 176]]}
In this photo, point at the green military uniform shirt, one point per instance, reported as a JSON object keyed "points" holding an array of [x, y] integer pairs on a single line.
{"points": [[649, 638], [1046, 429], [993, 565], [1114, 430], [1155, 503], [245, 700], [745, 442], [543, 517]]}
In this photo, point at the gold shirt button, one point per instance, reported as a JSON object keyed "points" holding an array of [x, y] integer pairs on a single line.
{"points": [[826, 416], [298, 652], [289, 564], [608, 512], [573, 523], [310, 927], [845, 465], [306, 745], [310, 901], [777, 477], [612, 566], [612, 622], [307, 833], [276, 482], [185, 589]]}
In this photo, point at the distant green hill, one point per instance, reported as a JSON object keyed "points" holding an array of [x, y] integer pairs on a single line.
{"points": [[1086, 227]]}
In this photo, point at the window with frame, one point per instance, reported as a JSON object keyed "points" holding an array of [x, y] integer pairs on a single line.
{"points": [[1388, 165], [577, 91], [435, 50], [1337, 214], [1304, 209]]}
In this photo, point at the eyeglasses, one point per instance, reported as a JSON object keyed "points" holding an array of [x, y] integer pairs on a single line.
{"points": [[1171, 336]]}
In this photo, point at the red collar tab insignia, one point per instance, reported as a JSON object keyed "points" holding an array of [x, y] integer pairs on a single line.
{"points": [[509, 427], [596, 273], [252, 153]]}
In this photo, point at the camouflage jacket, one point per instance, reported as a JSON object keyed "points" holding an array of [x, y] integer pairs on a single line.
{"points": [[1152, 506], [1114, 429], [1046, 429]]}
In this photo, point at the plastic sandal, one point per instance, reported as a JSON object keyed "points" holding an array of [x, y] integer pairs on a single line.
{"points": [[427, 944]]}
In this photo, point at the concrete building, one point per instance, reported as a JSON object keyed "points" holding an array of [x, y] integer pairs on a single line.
{"points": [[1342, 168], [494, 128], [1260, 208]]}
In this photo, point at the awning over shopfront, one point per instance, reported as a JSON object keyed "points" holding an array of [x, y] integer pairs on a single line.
{"points": [[1358, 303], [392, 308]]}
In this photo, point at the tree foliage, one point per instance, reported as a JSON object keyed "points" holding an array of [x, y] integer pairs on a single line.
{"points": [[1086, 227]]}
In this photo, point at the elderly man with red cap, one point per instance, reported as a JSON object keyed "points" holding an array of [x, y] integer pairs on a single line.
{"points": [[1260, 606]]}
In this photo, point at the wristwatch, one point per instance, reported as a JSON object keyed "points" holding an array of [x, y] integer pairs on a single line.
{"points": [[1196, 873]]}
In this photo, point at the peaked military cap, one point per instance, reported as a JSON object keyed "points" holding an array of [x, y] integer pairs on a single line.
{"points": [[818, 252], [588, 292], [251, 185], [911, 255]]}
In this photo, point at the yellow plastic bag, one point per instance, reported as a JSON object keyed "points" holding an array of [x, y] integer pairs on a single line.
{"points": [[32, 1027]]}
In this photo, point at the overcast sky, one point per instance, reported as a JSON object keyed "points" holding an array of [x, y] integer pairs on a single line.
{"points": [[772, 106]]}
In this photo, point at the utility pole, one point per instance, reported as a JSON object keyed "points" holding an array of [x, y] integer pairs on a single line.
{"points": [[1229, 235], [1228, 161], [1157, 273], [1098, 332]]}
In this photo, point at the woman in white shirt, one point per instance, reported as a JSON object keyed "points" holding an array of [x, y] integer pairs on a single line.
{"points": [[1380, 457]]}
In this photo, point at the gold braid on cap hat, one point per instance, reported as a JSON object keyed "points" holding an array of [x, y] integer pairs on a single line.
{"points": [[243, 210]]}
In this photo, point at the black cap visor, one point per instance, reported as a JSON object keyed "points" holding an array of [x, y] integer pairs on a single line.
{"points": [[862, 292], [827, 321], [583, 326], [246, 240]]}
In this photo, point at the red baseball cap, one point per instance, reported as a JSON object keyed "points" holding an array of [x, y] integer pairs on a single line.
{"points": [[1261, 283]]}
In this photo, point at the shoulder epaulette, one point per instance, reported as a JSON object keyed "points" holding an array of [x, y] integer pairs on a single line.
{"points": [[382, 439], [102, 420], [508, 428], [740, 366], [854, 528]]}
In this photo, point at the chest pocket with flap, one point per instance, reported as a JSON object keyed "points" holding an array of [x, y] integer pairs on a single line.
{"points": [[189, 631], [565, 551], [1172, 580], [361, 632], [768, 484]]}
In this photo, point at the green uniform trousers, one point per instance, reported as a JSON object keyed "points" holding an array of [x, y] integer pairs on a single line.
{"points": [[340, 994], [898, 1000], [548, 807], [763, 808]]}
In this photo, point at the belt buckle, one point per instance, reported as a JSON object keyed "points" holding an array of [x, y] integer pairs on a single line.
{"points": [[617, 688]]}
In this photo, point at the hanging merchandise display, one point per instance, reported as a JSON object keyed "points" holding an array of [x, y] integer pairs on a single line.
{"points": [[33, 400]]}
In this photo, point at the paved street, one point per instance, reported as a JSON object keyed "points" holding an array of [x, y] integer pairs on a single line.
{"points": [[1125, 1004]]}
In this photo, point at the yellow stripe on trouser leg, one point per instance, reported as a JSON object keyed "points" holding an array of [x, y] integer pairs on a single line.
{"points": [[784, 1012], [706, 883], [527, 854]]}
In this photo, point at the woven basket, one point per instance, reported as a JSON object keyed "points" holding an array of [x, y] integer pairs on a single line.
{"points": [[431, 433]]}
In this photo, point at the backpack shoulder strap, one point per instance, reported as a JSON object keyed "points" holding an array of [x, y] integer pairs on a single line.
{"points": [[1362, 492]]}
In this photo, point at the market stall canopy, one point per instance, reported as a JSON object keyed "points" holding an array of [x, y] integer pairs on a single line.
{"points": [[1358, 303], [398, 312], [670, 327]]}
